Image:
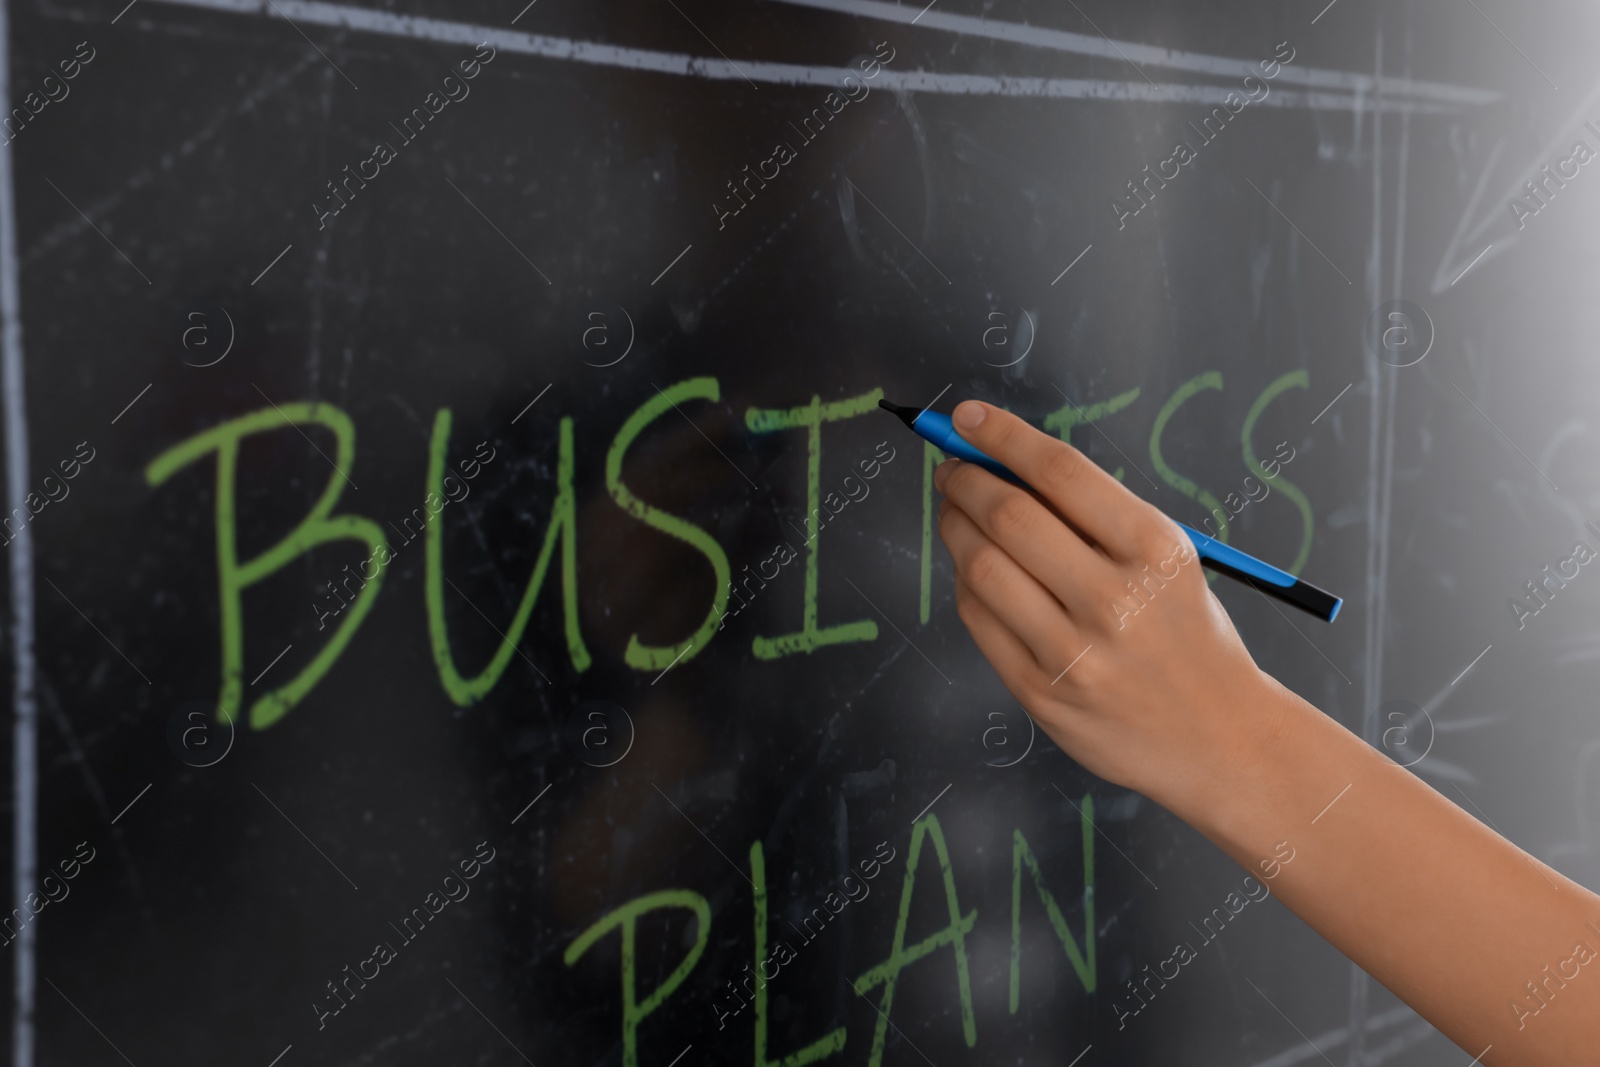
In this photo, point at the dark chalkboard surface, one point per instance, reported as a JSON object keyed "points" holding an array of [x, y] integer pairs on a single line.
{"points": [[465, 606]]}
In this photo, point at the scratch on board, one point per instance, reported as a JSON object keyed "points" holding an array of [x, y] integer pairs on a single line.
{"points": [[273, 83], [318, 13]]}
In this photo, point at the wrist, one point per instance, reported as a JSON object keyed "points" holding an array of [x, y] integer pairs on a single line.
{"points": [[1264, 759]]}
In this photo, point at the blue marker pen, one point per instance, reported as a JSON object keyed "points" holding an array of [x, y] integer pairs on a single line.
{"points": [[1224, 559]]}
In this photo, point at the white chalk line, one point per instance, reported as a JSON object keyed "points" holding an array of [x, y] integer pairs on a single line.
{"points": [[366, 20], [1150, 55], [25, 711]]}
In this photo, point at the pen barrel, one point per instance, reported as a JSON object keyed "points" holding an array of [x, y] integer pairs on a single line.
{"points": [[1242, 562], [1215, 555], [938, 430], [1279, 584]]}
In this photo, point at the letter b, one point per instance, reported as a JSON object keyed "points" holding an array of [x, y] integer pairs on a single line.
{"points": [[318, 527]]}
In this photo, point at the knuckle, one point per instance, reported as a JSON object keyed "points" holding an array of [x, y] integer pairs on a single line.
{"points": [[987, 566], [1088, 671], [1159, 536], [1062, 466], [1013, 516], [1153, 544]]}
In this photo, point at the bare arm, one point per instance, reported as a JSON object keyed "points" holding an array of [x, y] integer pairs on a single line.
{"points": [[1092, 608]]}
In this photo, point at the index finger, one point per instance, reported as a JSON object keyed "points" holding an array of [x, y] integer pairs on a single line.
{"points": [[1082, 493]]}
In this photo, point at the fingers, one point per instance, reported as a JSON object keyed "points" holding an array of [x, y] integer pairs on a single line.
{"points": [[1010, 657], [1093, 501], [1025, 529], [1016, 600]]}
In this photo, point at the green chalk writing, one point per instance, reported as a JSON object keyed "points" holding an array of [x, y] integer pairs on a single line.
{"points": [[635, 1011], [887, 973], [1186, 486], [1082, 961], [1296, 379], [810, 417], [562, 528], [319, 527], [1064, 418], [819, 1049], [657, 657]]}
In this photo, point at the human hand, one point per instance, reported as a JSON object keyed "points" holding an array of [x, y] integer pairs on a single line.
{"points": [[1159, 695], [1092, 608]]}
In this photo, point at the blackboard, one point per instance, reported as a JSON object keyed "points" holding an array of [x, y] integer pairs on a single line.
{"points": [[463, 602]]}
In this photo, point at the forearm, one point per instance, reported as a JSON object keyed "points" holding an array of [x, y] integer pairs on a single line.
{"points": [[1433, 904]]}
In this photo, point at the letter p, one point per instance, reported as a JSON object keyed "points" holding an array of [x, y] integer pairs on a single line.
{"points": [[634, 1011]]}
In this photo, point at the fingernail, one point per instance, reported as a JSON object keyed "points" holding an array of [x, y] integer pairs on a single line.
{"points": [[969, 415], [941, 472]]}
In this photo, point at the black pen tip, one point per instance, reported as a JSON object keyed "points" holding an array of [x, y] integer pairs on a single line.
{"points": [[906, 415]]}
